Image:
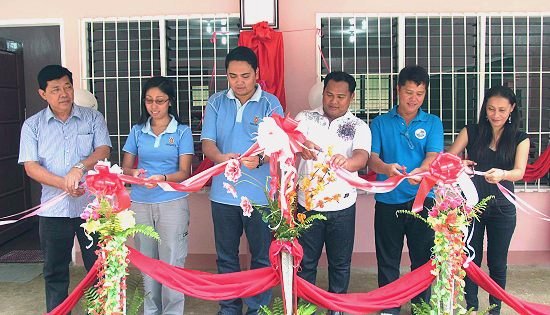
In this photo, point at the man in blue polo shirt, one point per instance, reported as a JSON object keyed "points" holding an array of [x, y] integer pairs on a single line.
{"points": [[230, 125], [406, 139]]}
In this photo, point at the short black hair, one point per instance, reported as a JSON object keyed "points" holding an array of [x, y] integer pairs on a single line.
{"points": [[415, 73], [242, 53], [52, 72], [339, 76]]}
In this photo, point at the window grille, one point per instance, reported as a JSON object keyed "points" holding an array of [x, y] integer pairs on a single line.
{"points": [[463, 53], [122, 53]]}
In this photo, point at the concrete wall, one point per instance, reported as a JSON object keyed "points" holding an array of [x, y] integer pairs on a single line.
{"points": [[297, 21]]}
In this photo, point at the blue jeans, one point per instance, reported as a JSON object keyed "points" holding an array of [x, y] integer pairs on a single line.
{"points": [[337, 233], [229, 224], [500, 223]]}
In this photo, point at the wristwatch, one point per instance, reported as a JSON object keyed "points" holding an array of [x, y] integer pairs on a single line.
{"points": [[261, 158], [80, 166]]}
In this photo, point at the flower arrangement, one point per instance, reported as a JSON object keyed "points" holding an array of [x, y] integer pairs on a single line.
{"points": [[283, 229], [449, 218], [111, 221]]}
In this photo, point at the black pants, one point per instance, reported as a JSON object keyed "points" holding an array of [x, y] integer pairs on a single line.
{"points": [[500, 223], [389, 230], [337, 234], [56, 241]]}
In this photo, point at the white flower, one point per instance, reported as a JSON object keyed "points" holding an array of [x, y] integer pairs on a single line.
{"points": [[126, 219], [230, 189], [233, 170]]}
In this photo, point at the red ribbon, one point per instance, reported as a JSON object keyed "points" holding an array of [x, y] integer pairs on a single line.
{"points": [[445, 169], [105, 183], [295, 249], [290, 127]]}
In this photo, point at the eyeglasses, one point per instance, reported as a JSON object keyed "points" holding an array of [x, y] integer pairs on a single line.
{"points": [[409, 141], [157, 101]]}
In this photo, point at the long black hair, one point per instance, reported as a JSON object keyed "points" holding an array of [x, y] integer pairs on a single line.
{"points": [[506, 146], [167, 87]]}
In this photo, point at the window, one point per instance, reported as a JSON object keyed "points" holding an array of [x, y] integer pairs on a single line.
{"points": [[463, 54], [122, 53]]}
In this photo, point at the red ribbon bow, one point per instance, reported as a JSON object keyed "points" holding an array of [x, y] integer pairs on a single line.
{"points": [[445, 169], [109, 184]]}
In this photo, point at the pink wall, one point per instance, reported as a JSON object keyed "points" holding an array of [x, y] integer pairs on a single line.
{"points": [[297, 21]]}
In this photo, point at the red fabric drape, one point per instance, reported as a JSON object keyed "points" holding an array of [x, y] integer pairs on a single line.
{"points": [[204, 285], [539, 168], [522, 307], [394, 294], [268, 46]]}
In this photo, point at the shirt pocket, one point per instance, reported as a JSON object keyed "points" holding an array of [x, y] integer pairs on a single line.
{"points": [[84, 145]]}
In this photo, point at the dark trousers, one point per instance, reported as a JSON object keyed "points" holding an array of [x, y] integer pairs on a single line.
{"points": [[56, 241], [337, 234], [229, 224], [389, 230], [500, 223]]}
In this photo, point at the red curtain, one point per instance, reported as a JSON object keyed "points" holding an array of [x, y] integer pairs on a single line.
{"points": [[268, 46], [539, 168]]}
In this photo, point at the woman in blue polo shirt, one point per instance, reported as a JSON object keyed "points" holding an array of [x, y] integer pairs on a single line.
{"points": [[497, 147], [165, 149]]}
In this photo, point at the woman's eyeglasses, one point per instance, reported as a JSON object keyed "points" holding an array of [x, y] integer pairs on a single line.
{"points": [[158, 101]]}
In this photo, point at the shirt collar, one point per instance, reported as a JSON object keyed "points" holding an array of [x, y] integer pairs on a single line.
{"points": [[420, 116], [171, 128], [75, 111], [255, 97], [321, 112]]}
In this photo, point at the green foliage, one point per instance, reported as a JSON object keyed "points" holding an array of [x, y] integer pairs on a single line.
{"points": [[90, 296], [146, 230], [413, 214], [429, 309], [277, 308]]}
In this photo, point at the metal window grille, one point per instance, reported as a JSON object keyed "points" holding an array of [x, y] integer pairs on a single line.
{"points": [[463, 53], [120, 54]]}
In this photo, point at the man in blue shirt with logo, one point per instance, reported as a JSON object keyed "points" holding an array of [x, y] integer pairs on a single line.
{"points": [[58, 145], [229, 128], [406, 139]]}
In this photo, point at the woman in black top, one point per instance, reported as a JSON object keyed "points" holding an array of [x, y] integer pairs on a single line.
{"points": [[497, 147]]}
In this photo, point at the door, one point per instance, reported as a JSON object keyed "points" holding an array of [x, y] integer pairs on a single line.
{"points": [[14, 185]]}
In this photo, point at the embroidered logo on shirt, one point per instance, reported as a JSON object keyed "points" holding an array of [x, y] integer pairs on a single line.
{"points": [[346, 130], [171, 141], [420, 133], [256, 120]]}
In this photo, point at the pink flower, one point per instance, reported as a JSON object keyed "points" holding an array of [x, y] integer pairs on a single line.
{"points": [[246, 206], [230, 189], [233, 170], [434, 212]]}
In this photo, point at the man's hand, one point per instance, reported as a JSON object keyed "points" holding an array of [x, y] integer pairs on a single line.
{"points": [[228, 156], [394, 169], [417, 179], [72, 181], [339, 161], [311, 152], [251, 162]]}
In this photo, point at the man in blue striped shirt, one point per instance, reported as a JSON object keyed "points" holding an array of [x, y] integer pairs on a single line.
{"points": [[58, 145]]}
